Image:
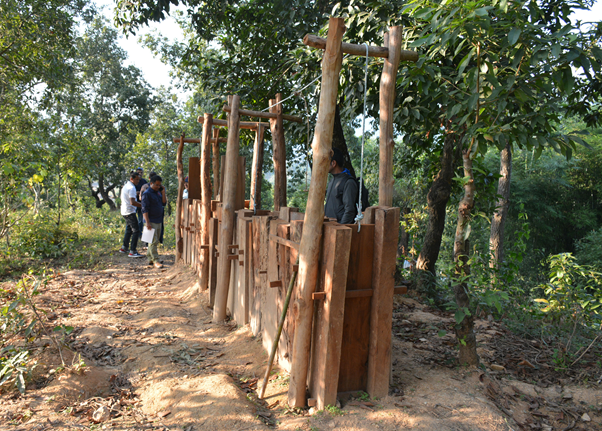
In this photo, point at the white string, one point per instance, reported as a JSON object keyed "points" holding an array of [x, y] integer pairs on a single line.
{"points": [[359, 217]]}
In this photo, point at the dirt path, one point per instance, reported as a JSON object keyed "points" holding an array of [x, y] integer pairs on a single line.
{"points": [[154, 360]]}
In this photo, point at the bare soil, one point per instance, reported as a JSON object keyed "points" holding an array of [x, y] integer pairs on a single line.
{"points": [[153, 360]]}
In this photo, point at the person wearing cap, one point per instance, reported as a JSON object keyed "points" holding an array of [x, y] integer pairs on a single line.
{"points": [[142, 182], [185, 193], [342, 191]]}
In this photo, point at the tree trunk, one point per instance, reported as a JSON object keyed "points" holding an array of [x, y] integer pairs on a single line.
{"points": [[338, 141], [178, 227], [404, 236], [465, 329], [105, 192], [437, 199], [496, 240]]}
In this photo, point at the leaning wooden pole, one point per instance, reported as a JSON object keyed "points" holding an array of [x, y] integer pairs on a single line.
{"points": [[228, 203], [205, 199], [257, 169], [278, 153], [314, 215], [216, 159], [386, 104], [180, 167]]}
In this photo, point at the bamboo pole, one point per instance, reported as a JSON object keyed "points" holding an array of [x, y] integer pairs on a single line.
{"points": [[261, 114], [278, 152], [287, 300], [180, 167], [228, 203], [314, 216], [360, 50], [205, 199], [386, 104], [216, 159], [257, 169]]}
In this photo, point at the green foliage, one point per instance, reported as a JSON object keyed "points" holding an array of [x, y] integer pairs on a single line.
{"points": [[334, 410], [589, 249], [40, 237], [574, 292]]}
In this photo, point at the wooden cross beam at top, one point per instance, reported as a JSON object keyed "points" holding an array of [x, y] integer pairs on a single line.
{"points": [[199, 140], [251, 125], [354, 49], [260, 114]]}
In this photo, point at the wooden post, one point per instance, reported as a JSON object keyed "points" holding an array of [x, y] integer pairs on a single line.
{"points": [[194, 178], [257, 169], [228, 202], [314, 215], [386, 221], [179, 240], [216, 160], [386, 103], [279, 153], [206, 199]]}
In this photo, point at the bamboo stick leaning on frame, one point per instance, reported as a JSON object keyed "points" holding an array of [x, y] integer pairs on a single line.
{"points": [[314, 215], [228, 202], [205, 199], [180, 167]]}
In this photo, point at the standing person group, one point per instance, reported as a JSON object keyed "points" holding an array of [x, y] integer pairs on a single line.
{"points": [[142, 204]]}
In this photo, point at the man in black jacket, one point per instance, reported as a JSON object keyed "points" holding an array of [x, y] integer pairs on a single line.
{"points": [[342, 192]]}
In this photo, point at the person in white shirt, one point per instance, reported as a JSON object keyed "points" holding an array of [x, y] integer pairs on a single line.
{"points": [[128, 211], [185, 192]]}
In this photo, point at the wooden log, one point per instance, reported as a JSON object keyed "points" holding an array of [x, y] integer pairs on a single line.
{"points": [[328, 322], [199, 140], [353, 49], [381, 315], [178, 227], [257, 169], [388, 81], [227, 224], [216, 160], [185, 230], [251, 125], [205, 199], [260, 264], [213, 242], [278, 153], [194, 178], [314, 215], [241, 178], [261, 114]]}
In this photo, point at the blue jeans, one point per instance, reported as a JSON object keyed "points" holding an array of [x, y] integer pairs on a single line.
{"points": [[140, 221], [132, 232]]}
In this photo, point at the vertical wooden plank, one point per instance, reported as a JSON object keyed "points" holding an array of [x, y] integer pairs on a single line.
{"points": [[278, 153], [213, 242], [241, 180], [178, 223], [216, 163], [257, 169], [260, 266], [221, 177], [194, 178], [328, 321], [204, 210], [386, 222], [241, 309], [185, 230], [284, 274], [192, 223], [353, 373]]}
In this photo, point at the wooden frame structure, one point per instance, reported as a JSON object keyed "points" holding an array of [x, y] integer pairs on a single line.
{"points": [[342, 301]]}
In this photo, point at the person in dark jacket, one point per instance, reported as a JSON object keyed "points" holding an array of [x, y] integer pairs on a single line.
{"points": [[153, 202], [342, 192]]}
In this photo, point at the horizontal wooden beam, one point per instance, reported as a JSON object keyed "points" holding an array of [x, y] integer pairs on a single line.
{"points": [[260, 114], [360, 50], [284, 241], [198, 141], [224, 123], [400, 290]]}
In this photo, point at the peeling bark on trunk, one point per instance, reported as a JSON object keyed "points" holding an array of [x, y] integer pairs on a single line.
{"points": [[496, 240], [437, 199], [465, 329]]}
